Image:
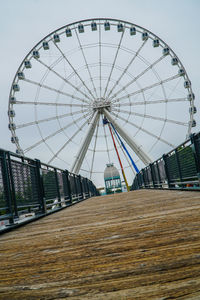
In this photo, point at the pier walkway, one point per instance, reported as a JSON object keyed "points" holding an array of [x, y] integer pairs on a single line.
{"points": [[139, 245]]}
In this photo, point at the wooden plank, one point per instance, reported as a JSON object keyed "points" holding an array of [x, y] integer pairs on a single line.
{"points": [[138, 245]]}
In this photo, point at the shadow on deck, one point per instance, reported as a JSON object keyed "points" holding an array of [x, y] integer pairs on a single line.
{"points": [[138, 245]]}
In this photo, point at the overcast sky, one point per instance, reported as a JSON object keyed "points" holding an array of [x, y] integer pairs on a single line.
{"points": [[24, 22]]}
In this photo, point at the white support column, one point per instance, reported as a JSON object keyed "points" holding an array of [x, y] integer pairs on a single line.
{"points": [[84, 145], [140, 153]]}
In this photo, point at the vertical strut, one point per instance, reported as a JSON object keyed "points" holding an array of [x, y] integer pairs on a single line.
{"points": [[84, 145]]}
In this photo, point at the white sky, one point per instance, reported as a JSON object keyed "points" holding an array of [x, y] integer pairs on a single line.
{"points": [[24, 22]]}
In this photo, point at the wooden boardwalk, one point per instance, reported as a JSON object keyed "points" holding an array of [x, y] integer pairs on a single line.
{"points": [[137, 245]]}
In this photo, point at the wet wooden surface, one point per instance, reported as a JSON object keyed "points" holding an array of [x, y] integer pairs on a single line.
{"points": [[137, 245]]}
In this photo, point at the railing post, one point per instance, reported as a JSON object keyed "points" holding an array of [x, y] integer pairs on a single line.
{"points": [[90, 188], [87, 182], [75, 185], [40, 185], [84, 187], [142, 177], [145, 177], [137, 183], [68, 185], [166, 170], [178, 164], [159, 177], [195, 149], [6, 185], [57, 186], [152, 175], [81, 187], [14, 201], [93, 192], [139, 179]]}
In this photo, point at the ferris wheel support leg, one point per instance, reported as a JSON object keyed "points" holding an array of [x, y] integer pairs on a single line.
{"points": [[85, 144], [133, 145]]}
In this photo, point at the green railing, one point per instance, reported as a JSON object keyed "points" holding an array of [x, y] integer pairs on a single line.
{"points": [[178, 169], [31, 189]]}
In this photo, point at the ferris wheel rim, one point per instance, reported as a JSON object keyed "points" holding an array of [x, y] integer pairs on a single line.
{"points": [[172, 53]]}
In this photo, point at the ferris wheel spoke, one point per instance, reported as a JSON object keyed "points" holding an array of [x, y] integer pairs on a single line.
{"points": [[105, 136], [51, 103], [113, 64], [64, 79], [94, 150], [67, 142], [54, 90], [126, 69], [152, 117], [49, 119], [138, 76], [86, 63], [54, 134], [145, 131], [153, 102], [146, 88], [100, 63], [75, 71]]}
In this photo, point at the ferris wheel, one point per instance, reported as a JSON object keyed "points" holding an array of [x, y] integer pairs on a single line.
{"points": [[92, 73]]}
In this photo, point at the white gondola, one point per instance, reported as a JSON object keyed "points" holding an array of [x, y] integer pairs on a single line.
{"points": [[12, 126], [27, 64], [19, 151], [120, 27], [36, 54], [56, 38], [11, 113], [193, 109], [192, 123], [187, 84], [16, 87], [181, 72], [165, 51], [174, 61], [68, 32], [20, 75], [156, 43], [12, 100], [145, 36], [94, 26], [190, 96], [14, 139], [107, 26], [80, 28], [45, 45], [132, 31]]}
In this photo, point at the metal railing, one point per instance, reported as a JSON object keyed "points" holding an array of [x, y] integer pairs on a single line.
{"points": [[178, 169], [30, 189]]}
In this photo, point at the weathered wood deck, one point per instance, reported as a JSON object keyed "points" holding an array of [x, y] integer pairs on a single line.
{"points": [[137, 245]]}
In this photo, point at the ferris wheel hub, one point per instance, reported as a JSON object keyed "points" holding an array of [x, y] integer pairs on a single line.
{"points": [[101, 103]]}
